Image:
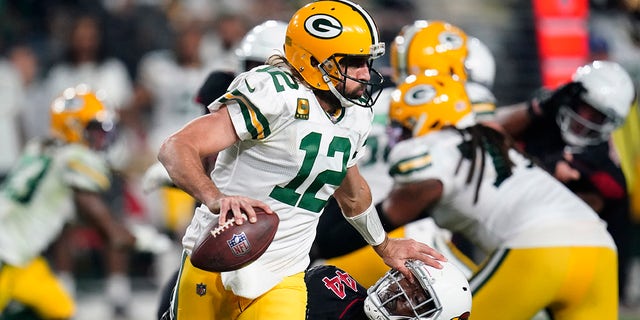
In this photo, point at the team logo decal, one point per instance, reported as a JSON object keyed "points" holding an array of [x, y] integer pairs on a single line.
{"points": [[420, 95], [201, 289], [323, 26], [239, 244]]}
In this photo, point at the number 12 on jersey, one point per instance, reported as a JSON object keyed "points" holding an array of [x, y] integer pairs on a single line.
{"points": [[310, 144]]}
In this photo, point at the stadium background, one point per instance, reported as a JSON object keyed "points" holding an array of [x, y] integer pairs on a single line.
{"points": [[534, 42]]}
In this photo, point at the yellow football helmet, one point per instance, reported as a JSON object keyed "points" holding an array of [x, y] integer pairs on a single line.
{"points": [[423, 104], [322, 33], [77, 110], [431, 46]]}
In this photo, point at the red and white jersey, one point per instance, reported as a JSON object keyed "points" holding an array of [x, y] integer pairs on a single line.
{"points": [[527, 208], [292, 155], [36, 200]]}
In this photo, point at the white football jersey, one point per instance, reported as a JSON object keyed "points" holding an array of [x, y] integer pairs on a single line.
{"points": [[173, 88], [527, 208], [373, 164], [36, 200], [292, 155]]}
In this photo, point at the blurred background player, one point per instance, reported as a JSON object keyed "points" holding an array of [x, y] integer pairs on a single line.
{"points": [[85, 59], [472, 180], [568, 132], [433, 47], [53, 180]]}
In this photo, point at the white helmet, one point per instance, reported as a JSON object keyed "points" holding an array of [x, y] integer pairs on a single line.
{"points": [[261, 42], [608, 89], [444, 294], [479, 63]]}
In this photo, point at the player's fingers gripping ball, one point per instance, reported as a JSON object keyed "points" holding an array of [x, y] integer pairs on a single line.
{"points": [[231, 246]]}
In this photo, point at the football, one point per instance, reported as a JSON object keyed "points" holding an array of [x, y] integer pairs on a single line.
{"points": [[231, 246]]}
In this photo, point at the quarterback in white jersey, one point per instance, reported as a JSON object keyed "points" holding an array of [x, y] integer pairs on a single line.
{"points": [[52, 180], [288, 136], [277, 124], [536, 232]]}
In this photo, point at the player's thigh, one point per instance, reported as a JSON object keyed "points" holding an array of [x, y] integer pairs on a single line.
{"points": [[6, 283], [591, 289], [201, 295], [287, 300], [37, 287], [364, 264], [514, 284]]}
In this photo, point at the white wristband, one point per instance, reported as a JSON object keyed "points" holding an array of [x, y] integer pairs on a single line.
{"points": [[369, 226]]}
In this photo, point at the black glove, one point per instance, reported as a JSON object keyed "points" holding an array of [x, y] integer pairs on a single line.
{"points": [[545, 103]]}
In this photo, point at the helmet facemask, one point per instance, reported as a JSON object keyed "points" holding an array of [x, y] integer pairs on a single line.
{"points": [[582, 125], [334, 74], [395, 297], [100, 133]]}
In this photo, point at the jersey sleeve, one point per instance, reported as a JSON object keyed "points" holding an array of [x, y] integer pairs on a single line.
{"points": [[254, 104], [413, 160], [85, 170]]}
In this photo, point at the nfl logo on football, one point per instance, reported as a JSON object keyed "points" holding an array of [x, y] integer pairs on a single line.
{"points": [[239, 244]]}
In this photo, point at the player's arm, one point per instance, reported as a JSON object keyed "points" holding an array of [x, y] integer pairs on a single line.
{"points": [[354, 195], [513, 119], [408, 202], [183, 152], [91, 206]]}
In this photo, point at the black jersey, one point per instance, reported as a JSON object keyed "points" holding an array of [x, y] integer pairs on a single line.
{"points": [[333, 294]]}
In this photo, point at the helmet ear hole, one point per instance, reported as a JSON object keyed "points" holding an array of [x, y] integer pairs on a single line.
{"points": [[313, 61]]}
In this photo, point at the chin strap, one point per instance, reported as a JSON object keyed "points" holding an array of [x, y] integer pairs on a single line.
{"points": [[343, 101]]}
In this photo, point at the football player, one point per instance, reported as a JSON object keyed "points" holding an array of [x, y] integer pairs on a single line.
{"points": [[568, 132], [471, 180], [54, 180], [288, 136], [255, 48]]}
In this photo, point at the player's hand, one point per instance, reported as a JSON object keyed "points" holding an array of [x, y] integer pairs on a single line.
{"points": [[545, 103], [237, 205], [396, 252], [565, 173]]}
